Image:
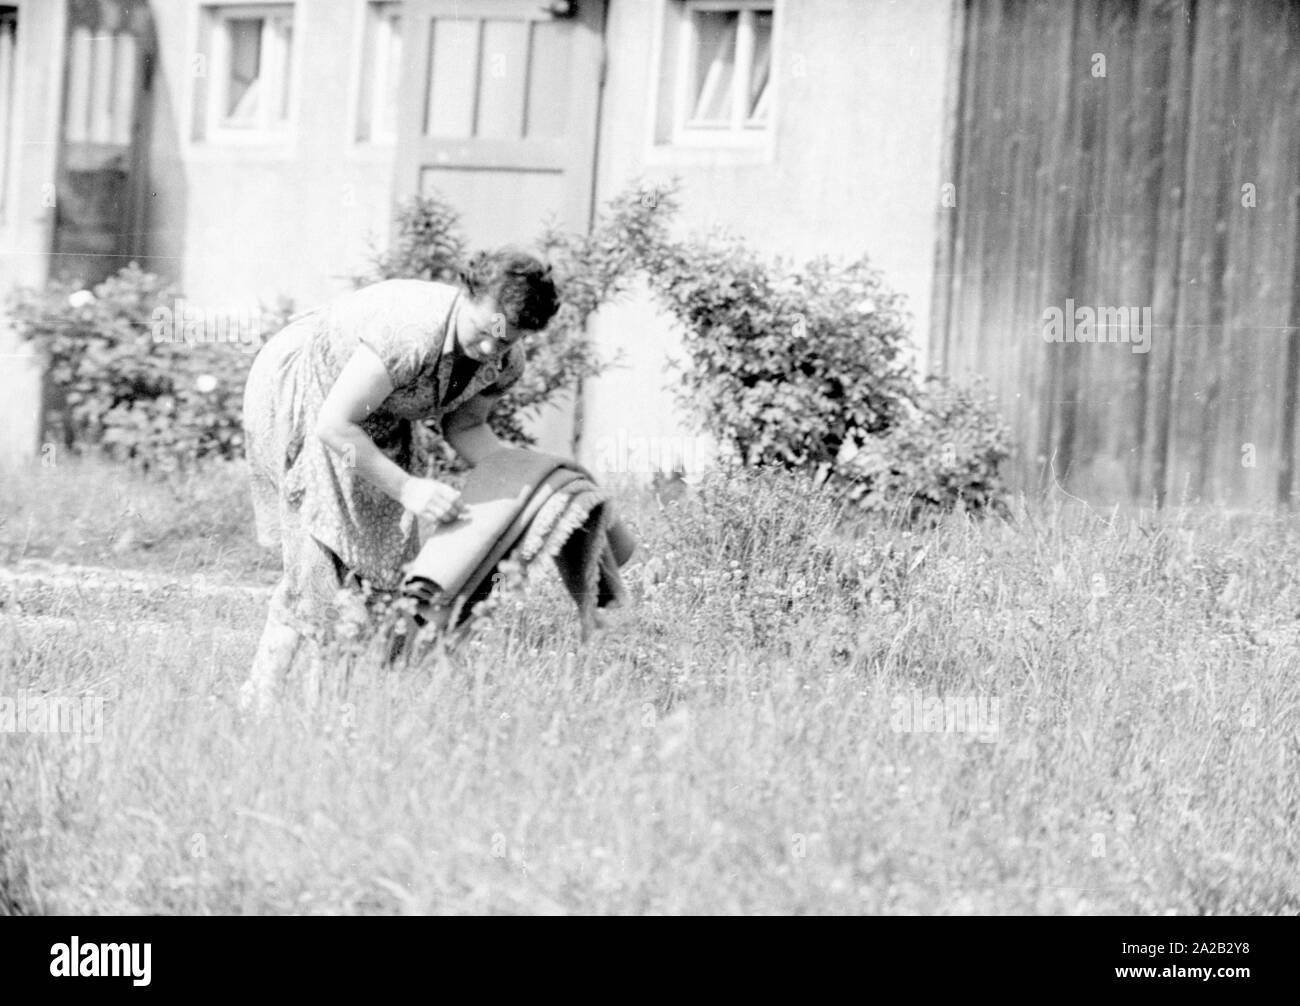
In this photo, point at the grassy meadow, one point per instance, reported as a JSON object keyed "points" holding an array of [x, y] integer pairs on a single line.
{"points": [[1065, 711]]}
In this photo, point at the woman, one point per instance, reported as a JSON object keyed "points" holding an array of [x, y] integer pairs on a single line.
{"points": [[328, 413]]}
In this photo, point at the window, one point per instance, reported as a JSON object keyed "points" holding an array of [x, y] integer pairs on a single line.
{"points": [[381, 73], [720, 53], [248, 71]]}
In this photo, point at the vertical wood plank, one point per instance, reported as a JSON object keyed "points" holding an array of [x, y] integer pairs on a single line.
{"points": [[1055, 184], [1170, 223], [1150, 173], [956, 322], [950, 172], [1191, 418], [1290, 145], [1076, 278], [1113, 375]]}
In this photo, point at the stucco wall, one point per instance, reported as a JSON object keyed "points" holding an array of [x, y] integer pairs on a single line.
{"points": [[28, 214], [854, 167], [260, 220]]}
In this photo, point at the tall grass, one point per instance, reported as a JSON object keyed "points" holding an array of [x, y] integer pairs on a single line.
{"points": [[91, 512], [741, 741]]}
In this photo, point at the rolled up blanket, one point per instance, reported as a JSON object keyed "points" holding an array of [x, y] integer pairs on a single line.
{"points": [[524, 506]]}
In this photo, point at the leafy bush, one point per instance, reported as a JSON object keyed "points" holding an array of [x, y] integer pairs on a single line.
{"points": [[785, 366], [427, 245], [809, 369], [133, 375], [942, 454]]}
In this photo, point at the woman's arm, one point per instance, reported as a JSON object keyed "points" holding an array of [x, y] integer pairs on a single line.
{"points": [[361, 388], [467, 430]]}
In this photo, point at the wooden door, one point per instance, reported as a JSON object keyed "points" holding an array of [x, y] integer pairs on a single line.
{"points": [[499, 112], [1114, 155], [99, 217]]}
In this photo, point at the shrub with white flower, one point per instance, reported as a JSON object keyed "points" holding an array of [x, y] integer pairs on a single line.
{"points": [[161, 406]]}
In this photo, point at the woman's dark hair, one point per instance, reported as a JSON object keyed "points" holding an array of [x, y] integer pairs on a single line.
{"points": [[519, 282]]}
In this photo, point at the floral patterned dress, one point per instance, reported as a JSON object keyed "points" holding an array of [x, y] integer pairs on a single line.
{"points": [[330, 522]]}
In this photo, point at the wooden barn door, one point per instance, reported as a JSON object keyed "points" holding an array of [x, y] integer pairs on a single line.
{"points": [[1145, 155], [500, 112], [99, 211]]}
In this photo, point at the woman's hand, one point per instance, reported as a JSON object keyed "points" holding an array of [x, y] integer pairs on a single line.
{"points": [[432, 500]]}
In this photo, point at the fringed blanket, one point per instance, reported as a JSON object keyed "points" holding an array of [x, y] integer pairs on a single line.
{"points": [[524, 506]]}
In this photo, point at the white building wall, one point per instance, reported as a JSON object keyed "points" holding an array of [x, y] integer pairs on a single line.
{"points": [[854, 167], [27, 216]]}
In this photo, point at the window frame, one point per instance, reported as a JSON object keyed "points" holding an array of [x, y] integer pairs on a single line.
{"points": [[738, 132], [381, 24], [10, 112], [268, 127]]}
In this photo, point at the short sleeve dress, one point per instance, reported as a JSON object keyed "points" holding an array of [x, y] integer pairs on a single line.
{"points": [[308, 499]]}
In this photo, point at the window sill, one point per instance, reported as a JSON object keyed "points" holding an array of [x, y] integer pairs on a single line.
{"points": [[701, 155], [247, 148]]}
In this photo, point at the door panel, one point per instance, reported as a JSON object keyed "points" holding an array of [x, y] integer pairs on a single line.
{"points": [[99, 212], [501, 113]]}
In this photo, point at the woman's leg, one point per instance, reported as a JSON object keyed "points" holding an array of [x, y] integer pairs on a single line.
{"points": [[274, 657], [301, 612]]}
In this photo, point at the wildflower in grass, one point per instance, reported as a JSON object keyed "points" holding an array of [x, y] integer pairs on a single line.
{"points": [[654, 574]]}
